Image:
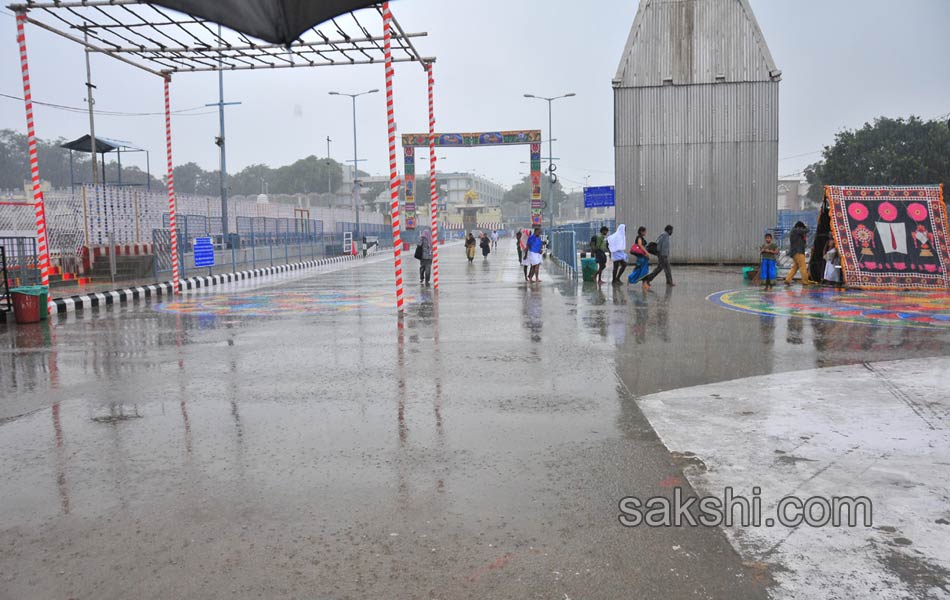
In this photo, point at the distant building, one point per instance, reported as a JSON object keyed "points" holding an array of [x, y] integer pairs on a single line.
{"points": [[453, 187], [696, 127], [788, 196]]}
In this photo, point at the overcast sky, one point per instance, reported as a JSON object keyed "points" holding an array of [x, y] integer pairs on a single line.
{"points": [[844, 62]]}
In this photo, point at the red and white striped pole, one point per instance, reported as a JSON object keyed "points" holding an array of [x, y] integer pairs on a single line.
{"points": [[433, 188], [393, 175], [39, 208], [171, 187]]}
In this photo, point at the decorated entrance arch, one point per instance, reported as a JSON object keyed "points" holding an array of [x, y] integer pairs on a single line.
{"points": [[411, 141]]}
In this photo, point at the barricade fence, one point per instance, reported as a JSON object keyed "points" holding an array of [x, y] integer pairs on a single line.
{"points": [[20, 261], [583, 232], [564, 249], [6, 302], [105, 234], [258, 242], [381, 232]]}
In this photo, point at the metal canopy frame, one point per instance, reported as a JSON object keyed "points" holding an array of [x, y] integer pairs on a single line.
{"points": [[111, 24], [109, 145], [163, 42]]}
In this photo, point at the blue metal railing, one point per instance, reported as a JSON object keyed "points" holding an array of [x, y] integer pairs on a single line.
{"points": [[258, 242], [564, 250], [583, 232]]}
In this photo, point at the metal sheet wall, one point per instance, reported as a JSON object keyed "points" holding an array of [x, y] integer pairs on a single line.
{"points": [[703, 158], [695, 41]]}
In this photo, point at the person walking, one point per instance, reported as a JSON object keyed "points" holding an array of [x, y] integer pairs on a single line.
{"points": [[599, 248], [521, 245], [535, 248], [470, 246], [662, 259], [485, 244], [424, 252], [798, 238], [617, 244], [639, 250], [494, 240]]}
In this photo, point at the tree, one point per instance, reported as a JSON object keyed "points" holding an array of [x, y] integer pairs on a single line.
{"points": [[887, 152], [305, 176], [131, 175], [517, 200], [53, 161], [192, 179]]}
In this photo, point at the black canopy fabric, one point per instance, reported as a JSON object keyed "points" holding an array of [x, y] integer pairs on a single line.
{"points": [[103, 145], [275, 21], [83, 145]]}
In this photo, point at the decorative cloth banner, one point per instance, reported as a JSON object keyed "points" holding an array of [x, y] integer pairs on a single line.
{"points": [[480, 138], [410, 167], [891, 237], [536, 184]]}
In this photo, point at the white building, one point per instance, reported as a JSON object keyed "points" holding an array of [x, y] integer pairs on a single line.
{"points": [[453, 187]]}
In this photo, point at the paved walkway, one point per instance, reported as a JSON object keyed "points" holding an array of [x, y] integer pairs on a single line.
{"points": [[875, 430], [284, 438]]}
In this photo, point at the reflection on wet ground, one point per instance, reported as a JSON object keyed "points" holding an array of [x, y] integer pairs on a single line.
{"points": [[669, 338], [476, 449], [920, 310]]}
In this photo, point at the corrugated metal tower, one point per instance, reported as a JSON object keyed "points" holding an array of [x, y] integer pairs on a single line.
{"points": [[696, 128]]}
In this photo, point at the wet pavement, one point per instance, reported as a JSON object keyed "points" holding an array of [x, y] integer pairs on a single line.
{"points": [[284, 438], [876, 430]]}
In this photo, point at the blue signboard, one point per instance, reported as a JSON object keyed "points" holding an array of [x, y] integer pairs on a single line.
{"points": [[204, 252], [597, 197]]}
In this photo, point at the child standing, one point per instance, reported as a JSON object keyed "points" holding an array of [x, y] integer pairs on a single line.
{"points": [[768, 251]]}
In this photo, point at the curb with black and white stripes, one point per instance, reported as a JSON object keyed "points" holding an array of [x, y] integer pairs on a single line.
{"points": [[72, 303]]}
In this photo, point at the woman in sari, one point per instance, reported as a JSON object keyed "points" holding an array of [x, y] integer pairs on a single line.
{"points": [[470, 247], [639, 250]]}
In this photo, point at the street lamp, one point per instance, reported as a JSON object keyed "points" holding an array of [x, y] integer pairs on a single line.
{"points": [[329, 179], [551, 168], [356, 185]]}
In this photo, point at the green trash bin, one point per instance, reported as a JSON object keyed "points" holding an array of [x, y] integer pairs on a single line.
{"points": [[40, 291], [589, 268]]}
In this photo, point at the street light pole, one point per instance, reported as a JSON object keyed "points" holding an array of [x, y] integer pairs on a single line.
{"points": [[92, 121], [221, 144], [356, 185], [550, 166], [551, 176], [329, 179], [356, 182]]}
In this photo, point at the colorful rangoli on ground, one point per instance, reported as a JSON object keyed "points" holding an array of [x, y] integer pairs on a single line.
{"points": [[923, 310], [279, 303]]}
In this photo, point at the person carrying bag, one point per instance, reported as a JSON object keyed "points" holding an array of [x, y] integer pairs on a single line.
{"points": [[639, 251], [424, 255]]}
